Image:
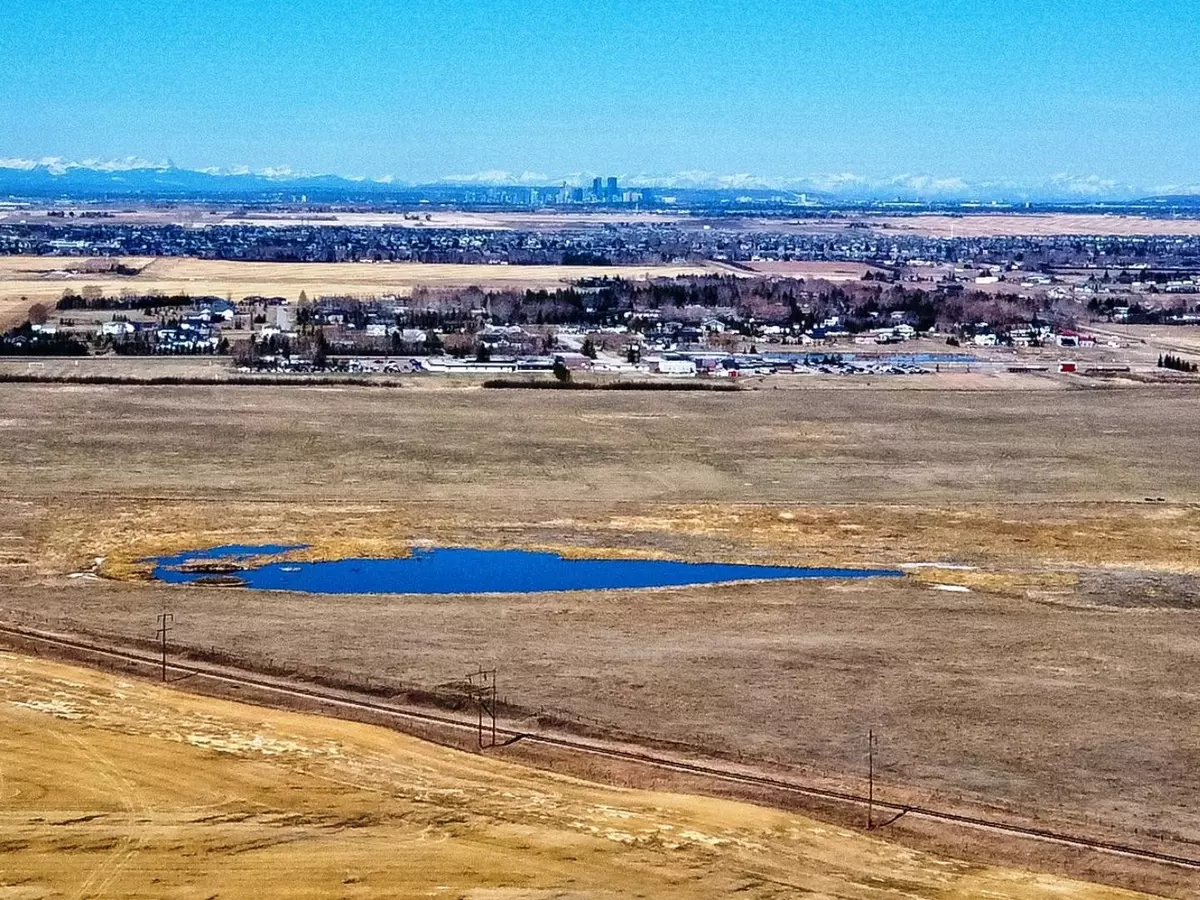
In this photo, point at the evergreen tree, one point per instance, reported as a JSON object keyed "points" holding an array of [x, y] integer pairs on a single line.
{"points": [[320, 349]]}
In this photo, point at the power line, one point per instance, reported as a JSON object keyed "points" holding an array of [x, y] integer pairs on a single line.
{"points": [[126, 657]]}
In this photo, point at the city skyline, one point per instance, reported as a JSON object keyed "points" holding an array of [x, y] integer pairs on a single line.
{"points": [[135, 173]]}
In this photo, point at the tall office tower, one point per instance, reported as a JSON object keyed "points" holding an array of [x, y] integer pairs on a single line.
{"points": [[611, 194], [597, 188]]}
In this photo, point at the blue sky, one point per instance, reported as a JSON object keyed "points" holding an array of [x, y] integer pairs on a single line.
{"points": [[429, 88]]}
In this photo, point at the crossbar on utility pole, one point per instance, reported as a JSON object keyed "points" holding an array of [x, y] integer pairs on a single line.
{"points": [[166, 621]]}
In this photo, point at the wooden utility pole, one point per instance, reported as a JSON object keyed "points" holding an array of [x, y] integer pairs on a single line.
{"points": [[166, 621], [870, 779], [482, 689]]}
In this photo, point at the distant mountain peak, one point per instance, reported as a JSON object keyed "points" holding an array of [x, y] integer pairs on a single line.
{"points": [[53, 175]]}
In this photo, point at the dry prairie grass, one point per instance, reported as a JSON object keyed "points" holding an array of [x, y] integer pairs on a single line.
{"points": [[121, 788], [1058, 687], [14, 310], [985, 224], [988, 225], [39, 279], [826, 271], [129, 532]]}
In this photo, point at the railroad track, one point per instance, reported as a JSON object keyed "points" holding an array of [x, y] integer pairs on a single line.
{"points": [[665, 763]]}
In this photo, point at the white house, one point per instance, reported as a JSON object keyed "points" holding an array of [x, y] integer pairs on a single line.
{"points": [[676, 367]]}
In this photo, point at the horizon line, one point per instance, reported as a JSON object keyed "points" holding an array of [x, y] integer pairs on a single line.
{"points": [[904, 186]]}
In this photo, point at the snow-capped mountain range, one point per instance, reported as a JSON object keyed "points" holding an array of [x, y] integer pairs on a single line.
{"points": [[136, 176]]}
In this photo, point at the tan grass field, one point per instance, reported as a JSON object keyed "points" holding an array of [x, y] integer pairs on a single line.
{"points": [[968, 224], [984, 224], [25, 280], [827, 271], [1057, 689], [988, 225], [14, 310], [119, 788], [1156, 338], [499, 221], [210, 215]]}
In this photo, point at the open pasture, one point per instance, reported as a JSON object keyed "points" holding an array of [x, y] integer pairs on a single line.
{"points": [[1037, 661], [120, 788], [1036, 225], [966, 224], [979, 224], [14, 310], [827, 271], [25, 280]]}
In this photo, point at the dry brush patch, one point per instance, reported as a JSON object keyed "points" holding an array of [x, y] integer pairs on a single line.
{"points": [[1018, 550]]}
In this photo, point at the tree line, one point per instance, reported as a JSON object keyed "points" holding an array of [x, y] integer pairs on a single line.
{"points": [[1177, 363], [25, 340], [94, 299]]}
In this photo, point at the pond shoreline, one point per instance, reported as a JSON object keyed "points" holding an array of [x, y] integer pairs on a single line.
{"points": [[469, 570]]}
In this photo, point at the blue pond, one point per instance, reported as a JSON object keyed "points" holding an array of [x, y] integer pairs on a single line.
{"points": [[472, 571]]}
